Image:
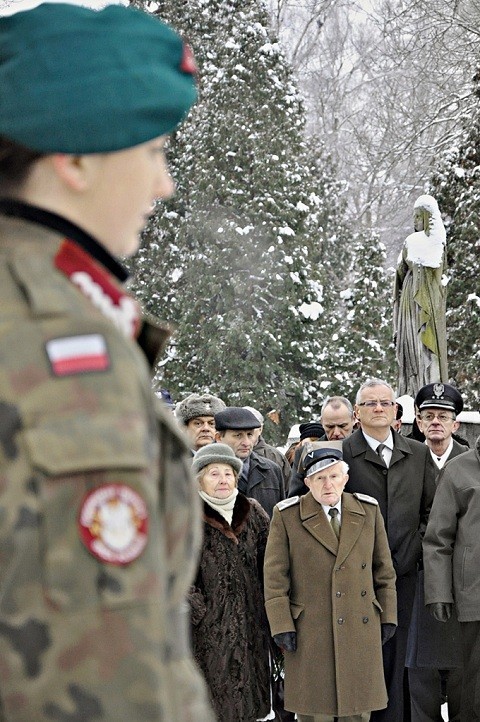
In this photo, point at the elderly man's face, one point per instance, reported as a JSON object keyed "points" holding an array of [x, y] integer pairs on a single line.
{"points": [[241, 441], [337, 422], [328, 484], [437, 424], [201, 431]]}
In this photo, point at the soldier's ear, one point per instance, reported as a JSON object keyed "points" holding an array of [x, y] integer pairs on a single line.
{"points": [[71, 170]]}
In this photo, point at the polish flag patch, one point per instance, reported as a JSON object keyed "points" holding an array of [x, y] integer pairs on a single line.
{"points": [[72, 355]]}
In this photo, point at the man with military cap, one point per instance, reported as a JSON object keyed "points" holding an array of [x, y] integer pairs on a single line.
{"points": [[438, 406], [330, 595], [196, 414], [260, 478], [434, 657], [100, 520]]}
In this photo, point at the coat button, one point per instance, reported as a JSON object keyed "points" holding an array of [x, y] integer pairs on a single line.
{"points": [[365, 620], [340, 620], [384, 472], [364, 565], [363, 593], [338, 594]]}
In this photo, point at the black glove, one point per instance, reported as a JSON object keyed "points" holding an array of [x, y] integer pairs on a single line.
{"points": [[388, 630], [287, 641], [441, 611]]}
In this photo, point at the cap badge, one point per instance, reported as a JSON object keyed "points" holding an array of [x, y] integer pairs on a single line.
{"points": [[113, 523], [438, 391]]}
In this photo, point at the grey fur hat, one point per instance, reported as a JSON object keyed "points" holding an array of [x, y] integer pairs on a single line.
{"points": [[198, 405], [215, 453]]}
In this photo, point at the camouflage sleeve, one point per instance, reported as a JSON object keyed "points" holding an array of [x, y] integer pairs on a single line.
{"points": [[88, 546]]}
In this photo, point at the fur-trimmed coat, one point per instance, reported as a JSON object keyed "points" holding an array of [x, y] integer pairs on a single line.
{"points": [[229, 627]]}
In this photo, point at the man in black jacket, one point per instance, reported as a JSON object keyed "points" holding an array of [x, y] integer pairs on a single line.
{"points": [[260, 478], [400, 474]]}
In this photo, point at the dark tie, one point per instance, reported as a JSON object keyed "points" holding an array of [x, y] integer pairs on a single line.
{"points": [[379, 451], [334, 521]]}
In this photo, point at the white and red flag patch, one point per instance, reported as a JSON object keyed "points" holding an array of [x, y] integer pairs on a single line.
{"points": [[69, 355]]}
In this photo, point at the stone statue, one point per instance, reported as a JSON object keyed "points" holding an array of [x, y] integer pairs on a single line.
{"points": [[420, 302]]}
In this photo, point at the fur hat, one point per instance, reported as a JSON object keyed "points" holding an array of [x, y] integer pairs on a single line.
{"points": [[215, 454], [198, 405]]}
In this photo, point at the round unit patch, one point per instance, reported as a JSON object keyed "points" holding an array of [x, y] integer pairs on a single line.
{"points": [[113, 523]]}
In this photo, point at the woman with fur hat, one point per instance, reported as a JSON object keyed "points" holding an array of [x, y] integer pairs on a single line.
{"points": [[229, 627]]}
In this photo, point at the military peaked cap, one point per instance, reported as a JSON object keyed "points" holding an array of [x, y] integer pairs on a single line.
{"points": [[439, 396]]}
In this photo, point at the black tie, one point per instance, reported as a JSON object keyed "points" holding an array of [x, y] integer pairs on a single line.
{"points": [[334, 521], [379, 451]]}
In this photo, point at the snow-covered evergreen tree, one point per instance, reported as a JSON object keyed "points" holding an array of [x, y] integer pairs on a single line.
{"points": [[248, 258], [358, 336], [456, 186], [364, 342]]}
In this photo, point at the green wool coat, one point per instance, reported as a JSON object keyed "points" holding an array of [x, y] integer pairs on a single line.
{"points": [[334, 594]]}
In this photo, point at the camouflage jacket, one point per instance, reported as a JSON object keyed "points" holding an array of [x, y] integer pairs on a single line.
{"points": [[99, 519]]}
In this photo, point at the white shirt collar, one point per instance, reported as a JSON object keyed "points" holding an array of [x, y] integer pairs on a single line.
{"points": [[440, 461], [373, 443], [338, 506]]}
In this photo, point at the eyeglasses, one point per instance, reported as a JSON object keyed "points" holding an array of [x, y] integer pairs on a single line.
{"points": [[442, 416], [373, 404]]}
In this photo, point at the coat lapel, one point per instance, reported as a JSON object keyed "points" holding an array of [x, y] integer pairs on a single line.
{"points": [[353, 520], [316, 523], [401, 448]]}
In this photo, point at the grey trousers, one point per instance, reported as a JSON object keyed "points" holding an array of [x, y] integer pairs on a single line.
{"points": [[331, 718]]}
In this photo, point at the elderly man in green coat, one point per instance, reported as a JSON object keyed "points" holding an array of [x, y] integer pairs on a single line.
{"points": [[330, 595]]}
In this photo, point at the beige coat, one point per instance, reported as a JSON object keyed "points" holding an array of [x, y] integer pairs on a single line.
{"points": [[334, 594]]}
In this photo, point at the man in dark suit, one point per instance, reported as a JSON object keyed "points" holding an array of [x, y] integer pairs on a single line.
{"points": [[400, 474], [260, 478], [434, 657]]}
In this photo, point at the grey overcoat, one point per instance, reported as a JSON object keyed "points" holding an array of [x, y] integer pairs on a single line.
{"points": [[451, 547]]}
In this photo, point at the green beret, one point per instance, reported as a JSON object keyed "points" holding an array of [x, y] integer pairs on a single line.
{"points": [[76, 80]]}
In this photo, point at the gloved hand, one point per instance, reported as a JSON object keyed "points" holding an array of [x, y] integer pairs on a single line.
{"points": [[287, 641], [388, 630], [441, 611]]}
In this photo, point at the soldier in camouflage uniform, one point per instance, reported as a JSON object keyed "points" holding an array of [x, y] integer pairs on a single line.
{"points": [[99, 518]]}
